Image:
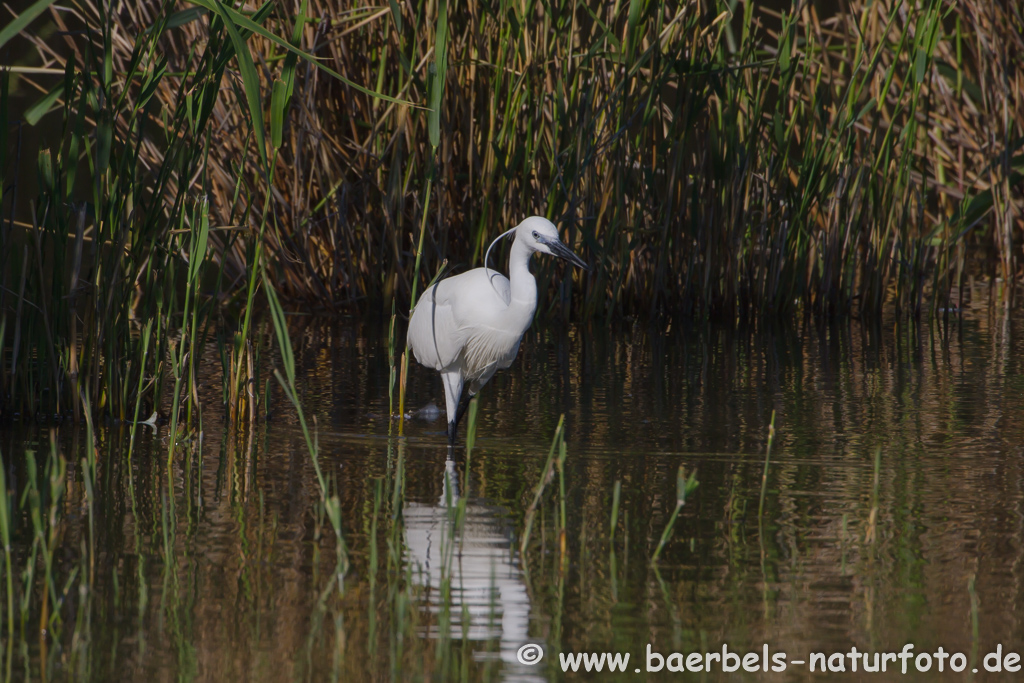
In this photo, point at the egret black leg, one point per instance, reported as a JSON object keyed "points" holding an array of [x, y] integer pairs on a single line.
{"points": [[454, 424], [463, 405]]}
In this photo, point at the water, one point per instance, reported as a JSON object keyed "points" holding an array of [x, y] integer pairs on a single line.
{"points": [[223, 567]]}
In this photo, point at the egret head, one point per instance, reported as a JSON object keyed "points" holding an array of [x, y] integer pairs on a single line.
{"points": [[540, 234]]}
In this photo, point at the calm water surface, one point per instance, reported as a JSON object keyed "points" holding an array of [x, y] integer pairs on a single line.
{"points": [[223, 568]]}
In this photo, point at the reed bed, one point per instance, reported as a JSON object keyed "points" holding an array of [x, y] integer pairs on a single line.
{"points": [[711, 159]]}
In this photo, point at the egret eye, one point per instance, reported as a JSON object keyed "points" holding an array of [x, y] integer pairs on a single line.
{"points": [[535, 235]]}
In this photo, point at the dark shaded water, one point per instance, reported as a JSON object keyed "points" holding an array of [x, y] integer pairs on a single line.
{"points": [[223, 568]]}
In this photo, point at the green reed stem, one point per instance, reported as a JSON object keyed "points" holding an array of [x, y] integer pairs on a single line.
{"points": [[5, 537], [764, 472], [547, 474], [684, 487], [412, 305], [146, 333], [613, 522]]}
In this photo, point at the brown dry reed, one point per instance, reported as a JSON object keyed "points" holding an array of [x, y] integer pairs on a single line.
{"points": [[710, 159]]}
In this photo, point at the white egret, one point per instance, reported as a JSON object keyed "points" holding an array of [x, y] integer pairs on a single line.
{"points": [[469, 326]]}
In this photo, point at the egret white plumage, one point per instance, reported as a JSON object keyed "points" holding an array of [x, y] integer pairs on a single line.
{"points": [[469, 326]]}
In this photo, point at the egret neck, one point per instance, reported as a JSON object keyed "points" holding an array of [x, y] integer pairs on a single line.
{"points": [[523, 284]]}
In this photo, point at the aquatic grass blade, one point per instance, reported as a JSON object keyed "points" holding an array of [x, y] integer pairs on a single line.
{"points": [[21, 21], [685, 486], [250, 79], [438, 74], [242, 21], [45, 104]]}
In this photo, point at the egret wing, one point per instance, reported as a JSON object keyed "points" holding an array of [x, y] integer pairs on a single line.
{"points": [[461, 320], [434, 336], [479, 303]]}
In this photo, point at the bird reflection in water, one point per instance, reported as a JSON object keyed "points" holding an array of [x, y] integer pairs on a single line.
{"points": [[489, 600]]}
